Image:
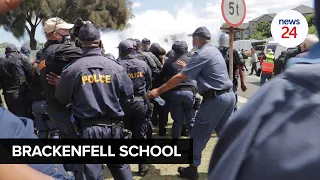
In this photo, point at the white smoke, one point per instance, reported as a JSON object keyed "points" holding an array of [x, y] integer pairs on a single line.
{"points": [[159, 25]]}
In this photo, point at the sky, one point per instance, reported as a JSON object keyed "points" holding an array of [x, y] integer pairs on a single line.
{"points": [[158, 19]]}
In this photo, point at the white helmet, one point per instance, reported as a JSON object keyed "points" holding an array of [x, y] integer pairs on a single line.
{"points": [[224, 40]]}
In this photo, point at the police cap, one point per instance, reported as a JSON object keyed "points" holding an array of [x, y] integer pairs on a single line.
{"points": [[89, 32], [145, 41], [137, 41], [25, 49], [134, 43], [180, 46], [201, 32], [11, 48], [125, 45]]}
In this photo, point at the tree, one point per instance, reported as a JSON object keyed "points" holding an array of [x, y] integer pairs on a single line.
{"points": [[105, 14], [311, 19], [3, 44], [262, 31]]}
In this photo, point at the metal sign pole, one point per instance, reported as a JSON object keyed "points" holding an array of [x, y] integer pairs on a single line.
{"points": [[231, 32]]}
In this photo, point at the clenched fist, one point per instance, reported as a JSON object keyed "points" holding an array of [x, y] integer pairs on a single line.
{"points": [[7, 5]]}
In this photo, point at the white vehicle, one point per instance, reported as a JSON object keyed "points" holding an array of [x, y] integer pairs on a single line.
{"points": [[243, 44], [276, 48]]}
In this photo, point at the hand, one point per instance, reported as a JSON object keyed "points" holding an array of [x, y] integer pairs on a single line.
{"points": [[243, 87], [181, 63], [154, 93], [7, 5], [53, 78]]}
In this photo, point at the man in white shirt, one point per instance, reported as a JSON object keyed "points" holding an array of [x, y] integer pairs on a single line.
{"points": [[254, 60]]}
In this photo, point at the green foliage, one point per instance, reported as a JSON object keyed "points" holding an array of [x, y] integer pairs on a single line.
{"points": [[311, 19], [4, 44], [262, 31], [105, 14], [313, 30]]}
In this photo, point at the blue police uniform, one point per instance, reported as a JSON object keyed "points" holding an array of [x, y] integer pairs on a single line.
{"points": [[275, 135], [95, 85], [183, 96], [136, 110], [13, 127], [207, 66], [15, 76]]}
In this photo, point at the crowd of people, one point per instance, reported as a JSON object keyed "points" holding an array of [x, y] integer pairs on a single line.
{"points": [[116, 98]]}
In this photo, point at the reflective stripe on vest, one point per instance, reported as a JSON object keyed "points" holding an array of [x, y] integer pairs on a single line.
{"points": [[268, 64]]}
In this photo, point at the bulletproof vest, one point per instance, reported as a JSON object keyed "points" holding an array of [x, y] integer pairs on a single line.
{"points": [[147, 57], [13, 75], [136, 74], [63, 55], [237, 59]]}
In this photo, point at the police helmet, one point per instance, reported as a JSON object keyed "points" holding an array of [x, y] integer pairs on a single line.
{"points": [[224, 40]]}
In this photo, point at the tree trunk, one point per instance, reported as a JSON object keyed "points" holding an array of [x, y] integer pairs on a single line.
{"points": [[33, 42]]}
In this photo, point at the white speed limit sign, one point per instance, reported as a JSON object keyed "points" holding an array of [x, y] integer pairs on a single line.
{"points": [[233, 12]]}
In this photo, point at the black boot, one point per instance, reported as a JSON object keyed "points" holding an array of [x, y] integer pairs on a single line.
{"points": [[143, 170], [190, 173], [185, 132], [162, 132]]}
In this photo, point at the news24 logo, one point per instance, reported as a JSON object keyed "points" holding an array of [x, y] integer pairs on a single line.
{"points": [[289, 28]]}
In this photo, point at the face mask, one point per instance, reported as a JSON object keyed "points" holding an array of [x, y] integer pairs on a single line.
{"points": [[195, 47], [65, 38]]}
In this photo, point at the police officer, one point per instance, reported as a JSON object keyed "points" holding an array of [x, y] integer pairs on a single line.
{"points": [[57, 53], [208, 67], [160, 114], [36, 95], [25, 50], [159, 52], [15, 76], [274, 135], [138, 111], [147, 57], [183, 96], [145, 44], [94, 85], [238, 65]]}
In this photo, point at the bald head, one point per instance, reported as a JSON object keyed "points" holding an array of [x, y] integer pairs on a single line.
{"points": [[310, 41]]}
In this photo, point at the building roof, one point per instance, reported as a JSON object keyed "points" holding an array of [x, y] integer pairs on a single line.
{"points": [[258, 18], [304, 9], [242, 26]]}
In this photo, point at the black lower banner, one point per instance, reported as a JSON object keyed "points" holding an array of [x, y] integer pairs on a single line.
{"points": [[97, 151]]}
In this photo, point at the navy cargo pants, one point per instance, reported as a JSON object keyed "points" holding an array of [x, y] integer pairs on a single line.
{"points": [[41, 118], [136, 120], [18, 104], [95, 171], [212, 115], [182, 111]]}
